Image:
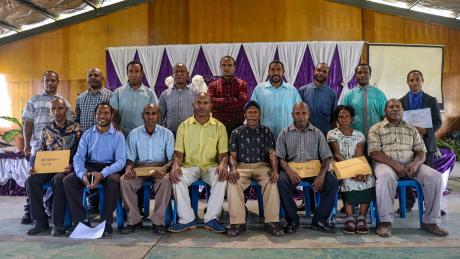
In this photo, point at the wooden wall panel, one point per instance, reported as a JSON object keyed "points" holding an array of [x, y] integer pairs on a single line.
{"points": [[168, 22]]}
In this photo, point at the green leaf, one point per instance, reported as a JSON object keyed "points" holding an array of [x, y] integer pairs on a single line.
{"points": [[11, 119], [9, 135]]}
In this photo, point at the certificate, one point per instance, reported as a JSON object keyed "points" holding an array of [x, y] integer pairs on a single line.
{"points": [[420, 118], [307, 169], [47, 162], [351, 168], [145, 171]]}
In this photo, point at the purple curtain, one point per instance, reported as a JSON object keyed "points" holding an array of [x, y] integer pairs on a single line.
{"points": [[112, 79], [244, 71], [165, 71], [201, 66], [305, 75], [335, 73]]}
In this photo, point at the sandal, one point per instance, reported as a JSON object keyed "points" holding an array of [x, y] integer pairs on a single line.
{"points": [[349, 226], [361, 227]]}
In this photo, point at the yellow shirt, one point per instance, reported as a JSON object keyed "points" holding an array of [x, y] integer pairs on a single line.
{"points": [[201, 144]]}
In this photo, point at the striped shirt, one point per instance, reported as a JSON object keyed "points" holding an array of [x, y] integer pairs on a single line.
{"points": [[298, 146], [38, 112], [87, 102], [397, 142], [175, 107]]}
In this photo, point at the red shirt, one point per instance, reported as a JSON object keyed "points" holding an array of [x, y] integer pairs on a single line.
{"points": [[228, 98]]}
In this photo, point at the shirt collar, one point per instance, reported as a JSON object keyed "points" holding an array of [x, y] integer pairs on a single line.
{"points": [[145, 130], [292, 127], [386, 123], [66, 124], [185, 88], [417, 95], [97, 92], [321, 86], [141, 88], [269, 84], [231, 80], [211, 121], [111, 130]]}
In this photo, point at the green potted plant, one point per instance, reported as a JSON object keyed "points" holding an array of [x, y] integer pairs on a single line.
{"points": [[13, 134]]}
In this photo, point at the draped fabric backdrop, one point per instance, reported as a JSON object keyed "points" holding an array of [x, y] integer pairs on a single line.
{"points": [[252, 61]]}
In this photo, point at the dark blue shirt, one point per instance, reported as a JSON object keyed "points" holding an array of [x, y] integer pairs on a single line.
{"points": [[415, 100], [322, 101]]}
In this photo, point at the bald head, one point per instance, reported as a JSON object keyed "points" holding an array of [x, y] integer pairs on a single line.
{"points": [[151, 116], [94, 78], [180, 75], [300, 114]]}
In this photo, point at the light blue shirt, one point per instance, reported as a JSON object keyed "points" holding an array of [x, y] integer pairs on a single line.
{"points": [[276, 105], [157, 148], [130, 103], [97, 147]]}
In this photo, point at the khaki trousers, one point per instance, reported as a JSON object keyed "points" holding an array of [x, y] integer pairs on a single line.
{"points": [[235, 193], [161, 188]]}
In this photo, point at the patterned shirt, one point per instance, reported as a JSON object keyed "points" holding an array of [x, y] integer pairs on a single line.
{"points": [[347, 146], [397, 142], [156, 148], [87, 102], [276, 104], [252, 145], [298, 146], [322, 101], [38, 112], [201, 144], [175, 107], [130, 104], [228, 98], [376, 101], [96, 147], [55, 138]]}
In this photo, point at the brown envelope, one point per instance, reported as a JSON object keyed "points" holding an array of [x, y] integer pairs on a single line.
{"points": [[47, 162], [307, 169], [351, 168], [145, 171]]}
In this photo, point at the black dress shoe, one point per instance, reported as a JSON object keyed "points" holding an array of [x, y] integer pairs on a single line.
{"points": [[26, 219], [291, 228], [108, 230], [57, 232], [159, 229], [274, 229], [37, 229], [323, 227], [131, 228]]}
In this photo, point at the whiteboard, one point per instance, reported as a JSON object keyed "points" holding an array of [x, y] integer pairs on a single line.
{"points": [[390, 64]]}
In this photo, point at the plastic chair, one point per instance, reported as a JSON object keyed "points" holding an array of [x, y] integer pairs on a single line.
{"points": [[118, 208], [67, 216], [402, 186], [146, 191]]}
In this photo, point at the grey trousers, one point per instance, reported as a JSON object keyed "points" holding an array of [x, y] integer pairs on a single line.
{"points": [[429, 179], [161, 188]]}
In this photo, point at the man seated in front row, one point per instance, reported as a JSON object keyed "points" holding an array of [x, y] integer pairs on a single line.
{"points": [[200, 153], [399, 152], [61, 134], [149, 145], [302, 142], [252, 156], [100, 157]]}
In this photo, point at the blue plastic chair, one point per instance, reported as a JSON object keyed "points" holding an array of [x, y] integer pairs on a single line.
{"points": [[402, 186], [119, 208], [146, 194], [67, 216], [306, 186]]}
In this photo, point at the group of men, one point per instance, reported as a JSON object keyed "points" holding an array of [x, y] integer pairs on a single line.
{"points": [[222, 139]]}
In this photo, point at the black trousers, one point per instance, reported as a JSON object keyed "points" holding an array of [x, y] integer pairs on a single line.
{"points": [[35, 192], [73, 187], [327, 196]]}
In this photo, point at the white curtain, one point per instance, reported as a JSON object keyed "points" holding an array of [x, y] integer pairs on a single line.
{"points": [[259, 56], [151, 59], [322, 51], [350, 55], [18, 169], [214, 52], [291, 54], [120, 59], [185, 54]]}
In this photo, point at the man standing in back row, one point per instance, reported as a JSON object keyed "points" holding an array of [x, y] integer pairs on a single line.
{"points": [[229, 94]]}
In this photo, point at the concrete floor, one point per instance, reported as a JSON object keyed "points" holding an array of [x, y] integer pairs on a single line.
{"points": [[408, 241]]}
